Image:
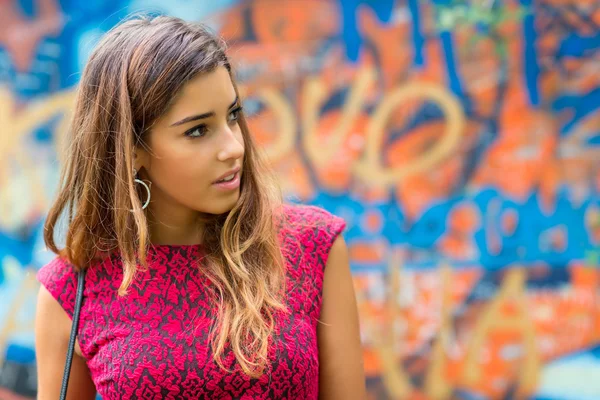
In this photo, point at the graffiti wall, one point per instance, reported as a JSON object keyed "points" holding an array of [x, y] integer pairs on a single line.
{"points": [[460, 139]]}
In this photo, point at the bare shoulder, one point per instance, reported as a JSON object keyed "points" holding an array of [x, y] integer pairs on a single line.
{"points": [[52, 330], [51, 319], [46, 303], [341, 371]]}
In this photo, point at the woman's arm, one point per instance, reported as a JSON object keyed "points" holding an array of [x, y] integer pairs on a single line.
{"points": [[52, 330], [341, 371]]}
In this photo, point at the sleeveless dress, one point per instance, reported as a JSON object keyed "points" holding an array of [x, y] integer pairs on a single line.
{"points": [[153, 343]]}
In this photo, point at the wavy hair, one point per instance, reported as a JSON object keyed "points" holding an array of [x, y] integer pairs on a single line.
{"points": [[130, 80]]}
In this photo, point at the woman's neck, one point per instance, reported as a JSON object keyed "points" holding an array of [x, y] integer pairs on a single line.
{"points": [[170, 227]]}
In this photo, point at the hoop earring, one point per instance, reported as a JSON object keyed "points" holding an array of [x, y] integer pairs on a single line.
{"points": [[146, 186]]}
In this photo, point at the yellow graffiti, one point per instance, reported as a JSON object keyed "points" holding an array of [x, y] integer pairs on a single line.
{"points": [[577, 141], [436, 384], [512, 291], [16, 127], [384, 339], [319, 151], [370, 168], [286, 127], [395, 379]]}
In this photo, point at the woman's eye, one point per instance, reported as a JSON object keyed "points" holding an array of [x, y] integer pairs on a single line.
{"points": [[197, 131], [234, 115]]}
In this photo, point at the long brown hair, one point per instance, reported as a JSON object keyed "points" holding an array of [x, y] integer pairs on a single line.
{"points": [[129, 81]]}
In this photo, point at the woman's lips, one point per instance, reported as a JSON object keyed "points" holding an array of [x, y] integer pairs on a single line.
{"points": [[234, 183]]}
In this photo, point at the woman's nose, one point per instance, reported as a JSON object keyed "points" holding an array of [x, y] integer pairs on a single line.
{"points": [[232, 145]]}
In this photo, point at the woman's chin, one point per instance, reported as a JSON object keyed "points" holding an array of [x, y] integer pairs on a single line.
{"points": [[221, 207]]}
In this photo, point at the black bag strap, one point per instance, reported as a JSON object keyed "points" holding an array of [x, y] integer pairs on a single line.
{"points": [[74, 328]]}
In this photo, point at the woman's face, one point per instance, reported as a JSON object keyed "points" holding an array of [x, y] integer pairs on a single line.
{"points": [[195, 144]]}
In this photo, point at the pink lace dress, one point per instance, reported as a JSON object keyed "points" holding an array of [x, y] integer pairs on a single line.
{"points": [[153, 343]]}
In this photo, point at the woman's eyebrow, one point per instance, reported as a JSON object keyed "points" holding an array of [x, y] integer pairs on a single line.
{"points": [[202, 116]]}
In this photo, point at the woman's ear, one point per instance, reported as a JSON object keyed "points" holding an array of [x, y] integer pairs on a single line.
{"points": [[140, 159]]}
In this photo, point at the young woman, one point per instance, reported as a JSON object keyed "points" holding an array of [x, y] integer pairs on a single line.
{"points": [[200, 283]]}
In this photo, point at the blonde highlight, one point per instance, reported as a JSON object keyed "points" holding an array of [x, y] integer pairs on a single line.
{"points": [[129, 81]]}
